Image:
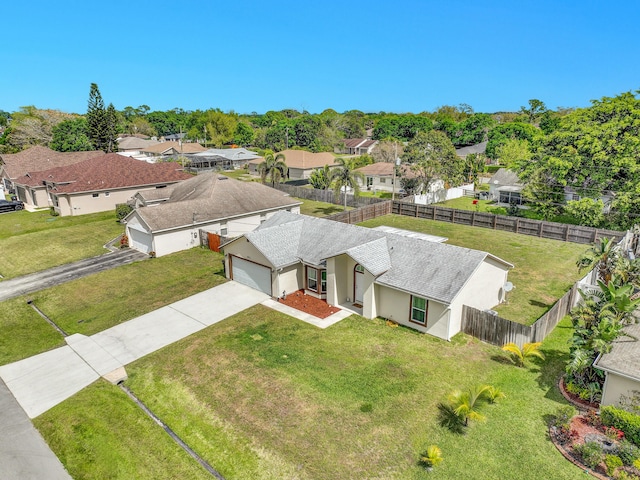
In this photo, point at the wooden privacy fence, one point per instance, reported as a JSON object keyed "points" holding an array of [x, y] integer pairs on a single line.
{"points": [[363, 213], [525, 226], [327, 196], [496, 330]]}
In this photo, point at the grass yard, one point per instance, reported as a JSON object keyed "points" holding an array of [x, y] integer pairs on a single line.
{"points": [[544, 270], [264, 396], [319, 209], [106, 299], [36, 240]]}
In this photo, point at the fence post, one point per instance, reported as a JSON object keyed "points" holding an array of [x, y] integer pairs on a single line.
{"points": [[434, 212], [517, 224], [566, 234], [416, 214], [495, 219], [473, 219]]}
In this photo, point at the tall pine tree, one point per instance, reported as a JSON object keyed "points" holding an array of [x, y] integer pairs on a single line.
{"points": [[111, 118], [97, 119]]}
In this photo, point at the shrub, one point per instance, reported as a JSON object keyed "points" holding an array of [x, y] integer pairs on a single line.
{"points": [[431, 457], [122, 210], [591, 453], [628, 452], [636, 463], [562, 417], [628, 422], [612, 462]]}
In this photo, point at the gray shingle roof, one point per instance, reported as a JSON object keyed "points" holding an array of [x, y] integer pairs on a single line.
{"points": [[432, 270], [505, 177], [209, 197], [624, 357]]}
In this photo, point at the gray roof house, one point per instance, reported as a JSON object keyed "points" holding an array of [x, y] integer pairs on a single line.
{"points": [[480, 148], [171, 219], [505, 187], [409, 279], [621, 366]]}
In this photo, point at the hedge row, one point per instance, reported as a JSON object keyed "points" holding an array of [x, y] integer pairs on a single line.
{"points": [[628, 422]]}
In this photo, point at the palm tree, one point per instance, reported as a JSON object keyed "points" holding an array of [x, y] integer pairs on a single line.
{"points": [[520, 355], [465, 404], [321, 178], [431, 457], [601, 255], [273, 168], [345, 176]]}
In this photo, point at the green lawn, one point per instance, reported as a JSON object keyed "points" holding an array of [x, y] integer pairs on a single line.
{"points": [[264, 396], [319, 209], [106, 299], [544, 270], [36, 240]]}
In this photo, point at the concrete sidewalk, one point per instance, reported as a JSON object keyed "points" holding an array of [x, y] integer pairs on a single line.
{"points": [[39, 383]]}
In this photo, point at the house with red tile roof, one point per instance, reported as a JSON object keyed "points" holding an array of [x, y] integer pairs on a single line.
{"points": [[35, 159], [100, 183]]}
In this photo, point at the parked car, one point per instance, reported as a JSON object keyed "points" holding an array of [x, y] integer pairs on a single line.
{"points": [[10, 205]]}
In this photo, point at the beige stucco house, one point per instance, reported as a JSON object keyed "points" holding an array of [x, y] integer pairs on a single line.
{"points": [[98, 184], [415, 282], [621, 366], [299, 162], [170, 220], [24, 165]]}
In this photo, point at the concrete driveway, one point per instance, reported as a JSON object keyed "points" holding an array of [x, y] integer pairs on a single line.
{"points": [[15, 287], [43, 381]]}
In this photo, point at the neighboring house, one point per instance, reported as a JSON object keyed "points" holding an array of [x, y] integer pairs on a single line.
{"points": [[418, 283], [505, 187], [300, 163], [221, 159], [379, 176], [133, 146], [358, 146], [174, 137], [36, 159], [621, 366], [479, 148], [100, 183], [167, 149], [169, 220]]}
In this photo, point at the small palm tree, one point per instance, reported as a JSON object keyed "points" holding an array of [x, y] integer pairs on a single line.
{"points": [[465, 404], [273, 168], [431, 457], [520, 355], [321, 178], [494, 394], [345, 176]]}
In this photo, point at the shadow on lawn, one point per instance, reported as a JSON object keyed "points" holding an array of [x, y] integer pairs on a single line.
{"points": [[328, 210]]}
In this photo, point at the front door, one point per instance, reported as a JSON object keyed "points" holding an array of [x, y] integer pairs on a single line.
{"points": [[358, 284]]}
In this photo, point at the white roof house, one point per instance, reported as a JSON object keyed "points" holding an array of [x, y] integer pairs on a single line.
{"points": [[411, 280], [168, 220]]}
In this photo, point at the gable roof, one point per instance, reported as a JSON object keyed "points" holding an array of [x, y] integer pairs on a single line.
{"points": [[106, 172], [477, 148], [432, 270], [624, 357], [505, 177], [135, 143], [180, 147], [358, 142], [229, 153], [40, 158], [385, 169], [208, 197], [304, 160]]}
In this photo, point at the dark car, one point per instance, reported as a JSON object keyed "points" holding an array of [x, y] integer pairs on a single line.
{"points": [[10, 205]]}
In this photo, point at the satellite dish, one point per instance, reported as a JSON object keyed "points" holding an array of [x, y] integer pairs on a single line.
{"points": [[508, 287]]}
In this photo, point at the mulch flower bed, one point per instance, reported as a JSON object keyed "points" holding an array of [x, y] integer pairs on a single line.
{"points": [[585, 428], [308, 304]]}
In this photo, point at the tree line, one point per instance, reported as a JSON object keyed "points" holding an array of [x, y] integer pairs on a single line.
{"points": [[589, 153]]}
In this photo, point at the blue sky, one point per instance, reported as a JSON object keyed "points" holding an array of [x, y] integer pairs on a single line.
{"points": [[394, 56]]}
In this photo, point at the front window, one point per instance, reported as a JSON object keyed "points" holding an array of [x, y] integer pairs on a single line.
{"points": [[419, 310], [312, 279]]}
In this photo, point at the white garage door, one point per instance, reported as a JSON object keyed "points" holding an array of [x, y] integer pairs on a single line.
{"points": [[251, 274], [140, 241]]}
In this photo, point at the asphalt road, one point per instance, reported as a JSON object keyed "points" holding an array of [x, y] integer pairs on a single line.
{"points": [[26, 284]]}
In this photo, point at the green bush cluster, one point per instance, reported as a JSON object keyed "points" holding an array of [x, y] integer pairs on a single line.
{"points": [[612, 462], [591, 453], [628, 422], [627, 452]]}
